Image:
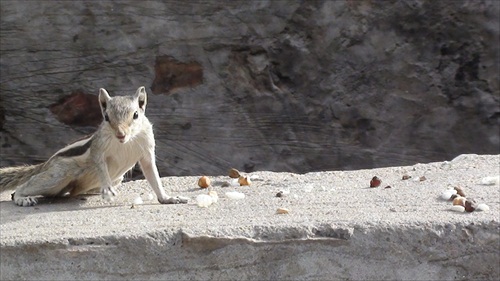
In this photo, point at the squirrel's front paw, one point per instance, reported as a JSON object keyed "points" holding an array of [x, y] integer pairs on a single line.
{"points": [[174, 200], [108, 193]]}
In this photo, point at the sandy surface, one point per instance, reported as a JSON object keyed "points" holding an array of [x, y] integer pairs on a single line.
{"points": [[340, 198]]}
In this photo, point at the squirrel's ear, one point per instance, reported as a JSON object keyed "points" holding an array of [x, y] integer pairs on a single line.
{"points": [[103, 98], [142, 97]]}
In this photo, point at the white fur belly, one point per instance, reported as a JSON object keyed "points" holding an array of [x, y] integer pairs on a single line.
{"points": [[121, 158]]}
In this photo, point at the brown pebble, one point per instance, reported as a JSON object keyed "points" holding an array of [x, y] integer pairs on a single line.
{"points": [[204, 182], [375, 182], [280, 194], [460, 191], [470, 206], [387, 187], [406, 177], [282, 211], [459, 201], [244, 181], [422, 178], [233, 173]]}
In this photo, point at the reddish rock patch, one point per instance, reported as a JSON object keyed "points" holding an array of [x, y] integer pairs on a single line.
{"points": [[171, 74], [77, 109]]}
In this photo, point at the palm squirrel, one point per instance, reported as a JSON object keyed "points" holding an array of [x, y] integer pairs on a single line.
{"points": [[124, 138]]}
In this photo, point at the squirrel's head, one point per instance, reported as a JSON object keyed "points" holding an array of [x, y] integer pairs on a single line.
{"points": [[123, 114]]}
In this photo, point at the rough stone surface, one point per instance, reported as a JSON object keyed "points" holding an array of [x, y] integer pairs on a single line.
{"points": [[338, 228], [258, 85]]}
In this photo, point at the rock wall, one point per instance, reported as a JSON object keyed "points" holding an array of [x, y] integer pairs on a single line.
{"points": [[257, 85], [430, 253]]}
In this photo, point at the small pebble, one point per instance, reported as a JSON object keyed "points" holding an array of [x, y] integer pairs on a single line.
{"points": [[282, 211], [490, 180], [446, 195], [459, 201], [244, 181], [234, 182], [458, 208], [482, 208], [387, 187], [470, 206], [235, 195], [422, 178], [233, 173], [204, 182], [204, 200], [138, 201], [406, 177], [375, 182], [460, 191]]}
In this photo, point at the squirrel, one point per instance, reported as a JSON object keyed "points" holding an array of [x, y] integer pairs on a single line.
{"points": [[124, 138]]}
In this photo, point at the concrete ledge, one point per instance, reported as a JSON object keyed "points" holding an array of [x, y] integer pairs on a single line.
{"points": [[337, 228]]}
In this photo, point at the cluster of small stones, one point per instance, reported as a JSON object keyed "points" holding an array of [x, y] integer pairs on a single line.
{"points": [[461, 203], [237, 179], [457, 195]]}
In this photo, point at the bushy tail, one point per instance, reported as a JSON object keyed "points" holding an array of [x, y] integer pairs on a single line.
{"points": [[11, 177]]}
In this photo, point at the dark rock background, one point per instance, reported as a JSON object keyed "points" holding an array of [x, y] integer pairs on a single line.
{"points": [[257, 85]]}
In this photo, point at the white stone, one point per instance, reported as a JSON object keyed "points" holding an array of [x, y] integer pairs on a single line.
{"points": [[482, 208], [138, 200], [235, 195], [493, 180], [204, 200], [446, 195], [458, 208]]}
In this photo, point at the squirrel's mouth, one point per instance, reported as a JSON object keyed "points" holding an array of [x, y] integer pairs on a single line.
{"points": [[121, 138]]}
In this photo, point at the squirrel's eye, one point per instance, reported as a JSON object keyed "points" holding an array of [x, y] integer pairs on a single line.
{"points": [[136, 115], [106, 117]]}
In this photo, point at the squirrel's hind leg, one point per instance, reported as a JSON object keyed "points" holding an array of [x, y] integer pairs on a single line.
{"points": [[49, 182]]}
